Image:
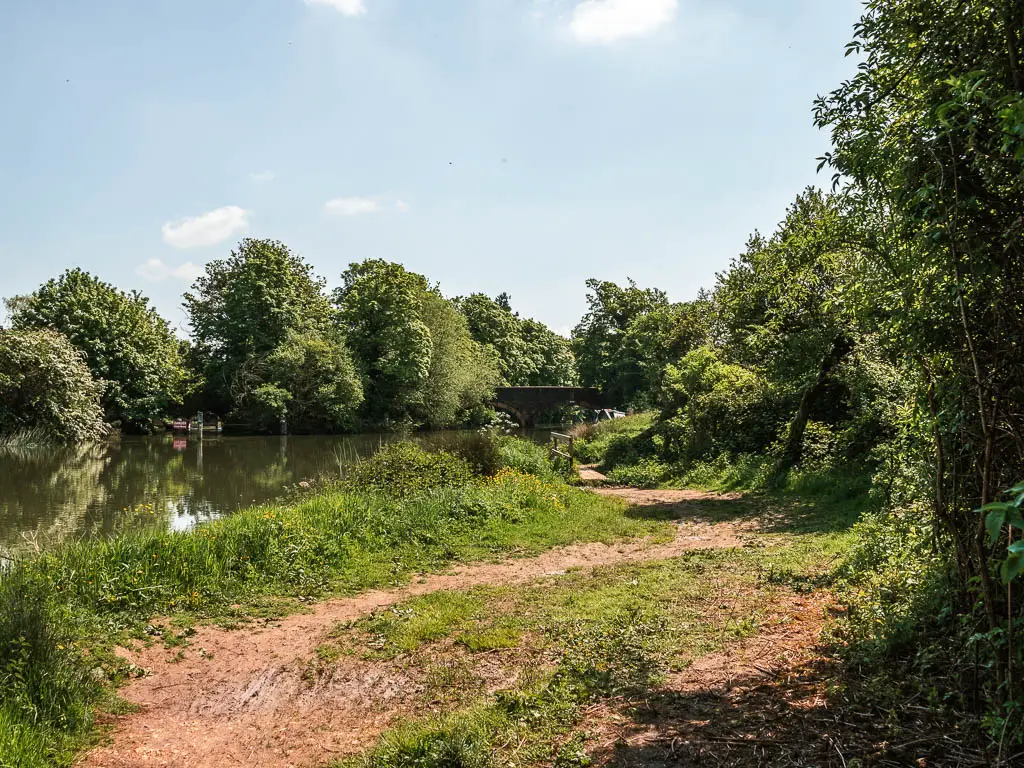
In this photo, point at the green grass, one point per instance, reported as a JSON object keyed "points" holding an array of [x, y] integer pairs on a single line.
{"points": [[85, 597], [593, 441], [339, 541], [521, 726], [609, 632], [680, 590]]}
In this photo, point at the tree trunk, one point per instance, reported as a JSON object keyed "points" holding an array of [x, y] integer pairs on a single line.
{"points": [[840, 348]]}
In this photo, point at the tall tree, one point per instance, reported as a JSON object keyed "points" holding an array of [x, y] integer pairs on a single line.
{"points": [[493, 324], [462, 374], [529, 353], [784, 307], [552, 363], [597, 339], [244, 307], [127, 345], [308, 379], [380, 308]]}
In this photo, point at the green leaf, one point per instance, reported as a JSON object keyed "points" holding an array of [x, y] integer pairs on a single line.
{"points": [[1012, 568], [1017, 548], [994, 524], [1014, 517]]}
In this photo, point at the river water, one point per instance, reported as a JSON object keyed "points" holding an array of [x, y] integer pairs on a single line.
{"points": [[50, 495]]}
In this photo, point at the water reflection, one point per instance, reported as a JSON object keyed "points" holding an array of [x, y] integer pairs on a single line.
{"points": [[97, 490]]}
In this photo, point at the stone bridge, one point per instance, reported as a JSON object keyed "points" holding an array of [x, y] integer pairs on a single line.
{"points": [[526, 403]]}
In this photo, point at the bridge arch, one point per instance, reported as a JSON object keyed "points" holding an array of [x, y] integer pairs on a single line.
{"points": [[526, 403]]}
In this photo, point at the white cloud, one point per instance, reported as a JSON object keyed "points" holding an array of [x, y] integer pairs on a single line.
{"points": [[206, 229], [360, 206], [605, 21], [351, 206], [262, 177], [346, 7], [155, 270]]}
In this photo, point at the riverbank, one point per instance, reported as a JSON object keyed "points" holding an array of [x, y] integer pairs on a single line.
{"points": [[50, 495], [65, 610], [426, 615], [706, 647]]}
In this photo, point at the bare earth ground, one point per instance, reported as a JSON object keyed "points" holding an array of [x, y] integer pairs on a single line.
{"points": [[247, 697]]}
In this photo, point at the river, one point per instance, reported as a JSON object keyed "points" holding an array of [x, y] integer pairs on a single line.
{"points": [[52, 495]]}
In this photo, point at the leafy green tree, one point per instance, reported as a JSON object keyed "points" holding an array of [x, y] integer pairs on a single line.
{"points": [[928, 139], [309, 379], [493, 324], [529, 353], [380, 309], [709, 407], [784, 307], [462, 374], [552, 362], [662, 336], [419, 362], [244, 307], [127, 345], [597, 339], [46, 385]]}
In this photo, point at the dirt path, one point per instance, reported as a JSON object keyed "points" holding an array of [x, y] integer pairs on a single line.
{"points": [[246, 697]]}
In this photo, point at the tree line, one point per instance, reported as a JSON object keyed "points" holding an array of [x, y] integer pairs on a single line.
{"points": [[385, 348]]}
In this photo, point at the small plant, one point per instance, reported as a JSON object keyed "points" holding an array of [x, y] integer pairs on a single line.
{"points": [[524, 456], [620, 656], [404, 468], [1007, 514]]}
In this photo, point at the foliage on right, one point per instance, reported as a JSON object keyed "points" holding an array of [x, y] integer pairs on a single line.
{"points": [[928, 144]]}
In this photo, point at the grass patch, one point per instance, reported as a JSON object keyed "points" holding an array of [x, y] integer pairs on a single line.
{"points": [[595, 441], [683, 591], [521, 726]]}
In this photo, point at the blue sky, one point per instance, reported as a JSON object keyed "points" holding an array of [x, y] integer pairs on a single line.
{"points": [[493, 145]]}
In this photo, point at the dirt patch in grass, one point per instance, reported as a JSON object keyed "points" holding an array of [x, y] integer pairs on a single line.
{"points": [[257, 696], [772, 700], [646, 498]]}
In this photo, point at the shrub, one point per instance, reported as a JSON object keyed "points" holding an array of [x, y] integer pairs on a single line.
{"points": [[711, 407], [45, 386], [524, 456], [593, 440], [404, 468], [645, 474], [127, 345], [308, 378]]}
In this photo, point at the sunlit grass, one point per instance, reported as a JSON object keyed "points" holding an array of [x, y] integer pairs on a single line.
{"points": [[84, 597]]}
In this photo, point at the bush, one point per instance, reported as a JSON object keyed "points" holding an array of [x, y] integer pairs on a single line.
{"points": [[46, 387], [127, 345], [404, 468], [713, 407], [594, 440], [308, 378], [524, 456], [646, 474]]}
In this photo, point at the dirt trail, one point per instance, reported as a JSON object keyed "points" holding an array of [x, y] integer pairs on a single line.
{"points": [[245, 697]]}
